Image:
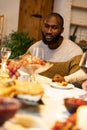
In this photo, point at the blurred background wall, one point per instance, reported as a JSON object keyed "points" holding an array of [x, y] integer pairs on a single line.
{"points": [[73, 11]]}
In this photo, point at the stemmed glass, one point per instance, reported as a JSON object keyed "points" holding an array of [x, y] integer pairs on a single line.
{"points": [[5, 54], [34, 68], [38, 52], [83, 62]]}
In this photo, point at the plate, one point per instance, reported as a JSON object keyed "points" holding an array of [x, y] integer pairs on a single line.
{"points": [[25, 122], [68, 86], [29, 99], [37, 68]]}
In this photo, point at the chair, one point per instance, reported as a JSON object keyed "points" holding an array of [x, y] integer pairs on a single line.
{"points": [[1, 26]]}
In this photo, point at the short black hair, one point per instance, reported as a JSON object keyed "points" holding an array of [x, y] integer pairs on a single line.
{"points": [[57, 15]]}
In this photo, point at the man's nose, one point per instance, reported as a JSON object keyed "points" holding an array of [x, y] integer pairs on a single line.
{"points": [[50, 30]]}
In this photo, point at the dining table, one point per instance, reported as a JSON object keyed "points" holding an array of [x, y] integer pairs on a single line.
{"points": [[51, 108]]}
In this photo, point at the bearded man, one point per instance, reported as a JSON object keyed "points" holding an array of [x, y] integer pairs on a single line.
{"points": [[63, 53]]}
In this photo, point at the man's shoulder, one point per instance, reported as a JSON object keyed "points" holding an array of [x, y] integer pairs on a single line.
{"points": [[38, 42], [72, 45], [68, 41]]}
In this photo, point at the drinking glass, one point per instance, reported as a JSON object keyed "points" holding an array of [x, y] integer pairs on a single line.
{"points": [[83, 62], [5, 54], [38, 52], [8, 108]]}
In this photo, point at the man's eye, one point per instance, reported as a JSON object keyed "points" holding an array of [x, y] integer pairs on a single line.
{"points": [[51, 26], [47, 26], [54, 27]]}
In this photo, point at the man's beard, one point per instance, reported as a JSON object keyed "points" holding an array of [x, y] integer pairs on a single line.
{"points": [[54, 39]]}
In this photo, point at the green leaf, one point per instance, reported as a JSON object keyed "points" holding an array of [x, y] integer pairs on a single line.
{"points": [[19, 42]]}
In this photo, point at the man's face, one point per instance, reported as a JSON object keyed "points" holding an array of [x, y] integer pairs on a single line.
{"points": [[51, 30]]}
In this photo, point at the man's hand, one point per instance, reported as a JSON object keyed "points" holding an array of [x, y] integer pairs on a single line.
{"points": [[58, 78], [84, 85]]}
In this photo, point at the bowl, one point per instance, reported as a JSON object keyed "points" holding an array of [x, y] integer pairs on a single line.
{"points": [[8, 107], [72, 103]]}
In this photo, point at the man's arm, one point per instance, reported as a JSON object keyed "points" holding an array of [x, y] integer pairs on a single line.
{"points": [[79, 75]]}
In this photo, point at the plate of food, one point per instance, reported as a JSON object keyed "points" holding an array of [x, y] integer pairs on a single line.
{"points": [[28, 64], [37, 68], [27, 99], [12, 88], [25, 122], [34, 64], [68, 124], [62, 85]]}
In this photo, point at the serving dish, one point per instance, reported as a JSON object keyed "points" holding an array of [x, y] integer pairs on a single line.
{"points": [[69, 124], [59, 86], [29, 99], [72, 103], [37, 68], [8, 108], [25, 122]]}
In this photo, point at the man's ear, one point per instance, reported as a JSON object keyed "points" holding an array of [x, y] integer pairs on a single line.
{"points": [[62, 29]]}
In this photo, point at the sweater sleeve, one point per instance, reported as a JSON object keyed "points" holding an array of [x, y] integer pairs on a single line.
{"points": [[79, 75], [74, 64]]}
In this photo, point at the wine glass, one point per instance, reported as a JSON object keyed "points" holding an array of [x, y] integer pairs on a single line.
{"points": [[33, 68], [35, 65], [83, 62], [38, 52], [5, 54]]}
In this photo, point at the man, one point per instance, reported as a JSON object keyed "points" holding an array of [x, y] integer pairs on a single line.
{"points": [[63, 53], [84, 85], [81, 74]]}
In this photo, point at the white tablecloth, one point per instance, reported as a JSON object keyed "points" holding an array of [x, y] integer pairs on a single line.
{"points": [[53, 108]]}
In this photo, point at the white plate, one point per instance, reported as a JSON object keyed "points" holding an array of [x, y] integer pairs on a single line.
{"points": [[68, 86], [29, 99], [25, 122]]}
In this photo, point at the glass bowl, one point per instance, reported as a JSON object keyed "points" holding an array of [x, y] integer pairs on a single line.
{"points": [[8, 107], [72, 103]]}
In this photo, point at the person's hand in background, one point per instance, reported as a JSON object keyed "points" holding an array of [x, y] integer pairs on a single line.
{"points": [[84, 85]]}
